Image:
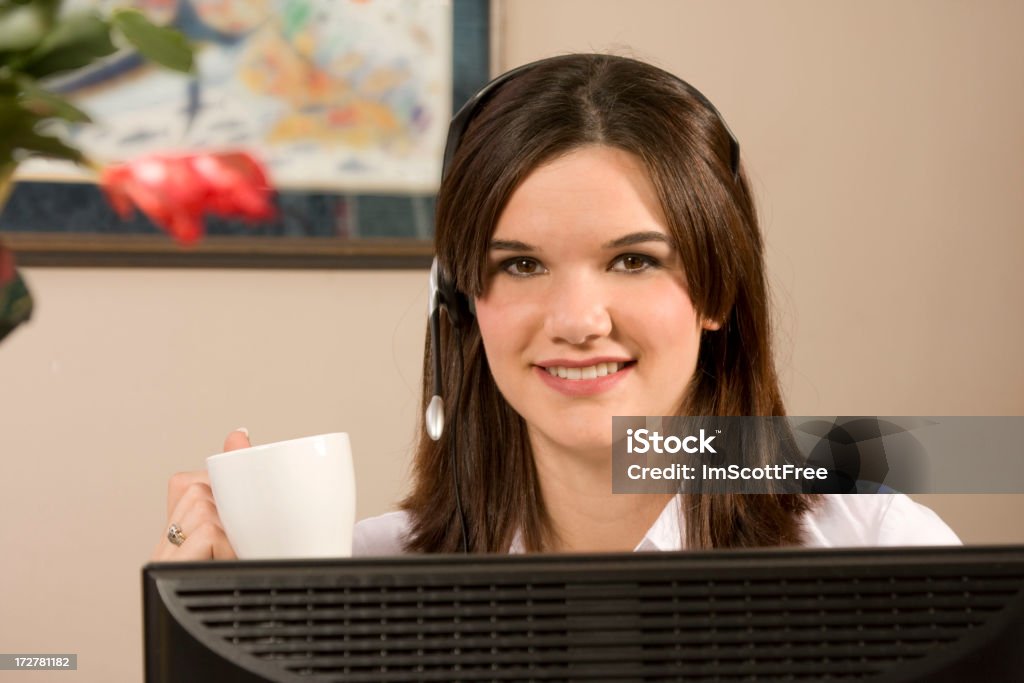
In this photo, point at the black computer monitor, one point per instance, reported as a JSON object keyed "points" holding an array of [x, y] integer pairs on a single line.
{"points": [[904, 614]]}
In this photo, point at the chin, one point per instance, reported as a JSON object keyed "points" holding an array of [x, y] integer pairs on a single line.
{"points": [[583, 436]]}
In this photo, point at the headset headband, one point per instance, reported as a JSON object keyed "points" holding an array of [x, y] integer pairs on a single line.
{"points": [[460, 122]]}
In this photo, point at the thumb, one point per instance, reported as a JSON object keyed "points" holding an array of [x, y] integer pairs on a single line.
{"points": [[237, 439]]}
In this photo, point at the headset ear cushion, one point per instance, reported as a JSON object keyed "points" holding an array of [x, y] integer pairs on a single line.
{"points": [[460, 310], [458, 306]]}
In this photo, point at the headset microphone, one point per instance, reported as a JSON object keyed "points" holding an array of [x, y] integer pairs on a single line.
{"points": [[443, 295], [435, 409]]}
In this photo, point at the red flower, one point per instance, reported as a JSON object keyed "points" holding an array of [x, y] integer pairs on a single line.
{"points": [[176, 191]]}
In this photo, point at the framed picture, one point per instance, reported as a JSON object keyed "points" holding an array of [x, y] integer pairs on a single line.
{"points": [[346, 101]]}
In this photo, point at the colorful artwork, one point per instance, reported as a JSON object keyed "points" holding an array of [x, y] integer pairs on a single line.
{"points": [[349, 95]]}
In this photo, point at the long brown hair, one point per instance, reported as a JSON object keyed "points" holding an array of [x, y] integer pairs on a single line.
{"points": [[547, 111]]}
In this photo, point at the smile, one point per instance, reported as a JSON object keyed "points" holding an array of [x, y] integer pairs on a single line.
{"points": [[589, 372], [585, 381]]}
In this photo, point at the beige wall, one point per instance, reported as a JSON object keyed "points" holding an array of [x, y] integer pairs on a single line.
{"points": [[884, 143]]}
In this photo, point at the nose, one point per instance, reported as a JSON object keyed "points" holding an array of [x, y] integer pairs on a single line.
{"points": [[577, 311]]}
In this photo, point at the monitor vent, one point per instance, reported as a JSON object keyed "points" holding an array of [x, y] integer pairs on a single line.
{"points": [[488, 625]]}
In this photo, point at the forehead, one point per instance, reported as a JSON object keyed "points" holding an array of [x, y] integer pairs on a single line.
{"points": [[591, 194]]}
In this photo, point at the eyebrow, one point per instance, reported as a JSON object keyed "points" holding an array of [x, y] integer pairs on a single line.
{"points": [[624, 241]]}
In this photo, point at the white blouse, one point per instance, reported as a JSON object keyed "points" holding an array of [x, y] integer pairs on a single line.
{"points": [[840, 521]]}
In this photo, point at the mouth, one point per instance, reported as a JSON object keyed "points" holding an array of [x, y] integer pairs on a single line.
{"points": [[586, 381], [589, 371]]}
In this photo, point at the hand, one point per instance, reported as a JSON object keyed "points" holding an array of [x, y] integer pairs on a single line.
{"points": [[190, 505]]}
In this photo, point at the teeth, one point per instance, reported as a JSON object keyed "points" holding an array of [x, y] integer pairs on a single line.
{"points": [[589, 372]]}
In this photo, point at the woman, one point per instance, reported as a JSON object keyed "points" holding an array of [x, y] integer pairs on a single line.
{"points": [[599, 249]]}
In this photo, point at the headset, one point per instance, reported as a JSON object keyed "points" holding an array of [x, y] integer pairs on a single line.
{"points": [[459, 308]]}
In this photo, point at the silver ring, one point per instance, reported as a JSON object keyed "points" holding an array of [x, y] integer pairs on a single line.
{"points": [[174, 535]]}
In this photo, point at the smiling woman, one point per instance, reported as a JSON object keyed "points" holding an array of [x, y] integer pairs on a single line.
{"points": [[596, 212], [596, 220]]}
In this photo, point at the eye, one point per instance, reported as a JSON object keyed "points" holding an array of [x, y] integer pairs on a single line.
{"points": [[634, 263], [522, 266]]}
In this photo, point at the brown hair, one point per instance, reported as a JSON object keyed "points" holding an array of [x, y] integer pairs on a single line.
{"points": [[547, 111]]}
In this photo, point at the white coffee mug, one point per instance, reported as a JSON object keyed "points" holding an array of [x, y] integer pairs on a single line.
{"points": [[289, 499]]}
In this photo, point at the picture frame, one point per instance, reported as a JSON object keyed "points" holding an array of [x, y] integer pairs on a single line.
{"points": [[60, 223]]}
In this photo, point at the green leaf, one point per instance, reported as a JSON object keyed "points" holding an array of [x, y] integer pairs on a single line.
{"points": [[15, 123], [20, 138], [11, 114], [8, 88], [166, 47], [23, 26], [76, 41], [48, 146], [46, 104]]}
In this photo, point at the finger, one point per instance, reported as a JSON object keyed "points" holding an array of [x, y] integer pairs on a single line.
{"points": [[208, 542], [200, 510], [237, 439], [196, 505], [168, 552], [179, 484], [222, 549], [195, 508]]}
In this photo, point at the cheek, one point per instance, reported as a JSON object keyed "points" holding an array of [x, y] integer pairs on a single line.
{"points": [[503, 329], [668, 323], [489, 319], [484, 317]]}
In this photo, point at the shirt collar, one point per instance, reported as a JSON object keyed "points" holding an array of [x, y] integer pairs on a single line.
{"points": [[663, 535]]}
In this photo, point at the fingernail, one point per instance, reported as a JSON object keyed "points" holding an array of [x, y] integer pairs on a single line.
{"points": [[244, 431]]}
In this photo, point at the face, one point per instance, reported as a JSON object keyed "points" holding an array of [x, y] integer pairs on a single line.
{"points": [[586, 313]]}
